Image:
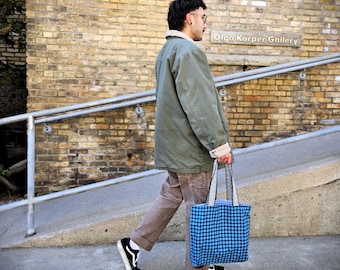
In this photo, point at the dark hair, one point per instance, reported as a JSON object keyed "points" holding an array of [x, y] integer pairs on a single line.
{"points": [[178, 10]]}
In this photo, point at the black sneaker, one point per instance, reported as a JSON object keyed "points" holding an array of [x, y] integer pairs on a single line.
{"points": [[215, 267], [129, 255]]}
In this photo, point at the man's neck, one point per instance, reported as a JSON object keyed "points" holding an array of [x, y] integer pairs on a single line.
{"points": [[176, 33]]}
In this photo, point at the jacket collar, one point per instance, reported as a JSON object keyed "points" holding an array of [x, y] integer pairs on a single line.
{"points": [[176, 33]]}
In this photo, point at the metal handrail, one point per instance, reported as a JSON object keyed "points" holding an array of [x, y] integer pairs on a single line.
{"points": [[119, 102], [74, 107], [277, 69], [97, 109]]}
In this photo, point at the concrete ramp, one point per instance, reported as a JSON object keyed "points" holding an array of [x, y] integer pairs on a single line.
{"points": [[292, 184]]}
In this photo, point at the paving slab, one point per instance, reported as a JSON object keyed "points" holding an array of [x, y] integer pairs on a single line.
{"points": [[281, 253]]}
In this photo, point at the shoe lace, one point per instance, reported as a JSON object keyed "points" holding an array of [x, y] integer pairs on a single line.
{"points": [[137, 257]]}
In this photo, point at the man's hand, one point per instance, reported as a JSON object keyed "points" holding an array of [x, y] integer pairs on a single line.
{"points": [[222, 153], [226, 159]]}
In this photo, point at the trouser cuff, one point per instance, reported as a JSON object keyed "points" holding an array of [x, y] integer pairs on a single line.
{"points": [[141, 242]]}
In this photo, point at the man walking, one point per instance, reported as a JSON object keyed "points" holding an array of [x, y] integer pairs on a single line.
{"points": [[190, 129]]}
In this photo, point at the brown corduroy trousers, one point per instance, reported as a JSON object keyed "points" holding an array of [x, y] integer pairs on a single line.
{"points": [[193, 188]]}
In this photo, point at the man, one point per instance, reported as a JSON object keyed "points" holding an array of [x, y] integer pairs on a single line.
{"points": [[190, 129]]}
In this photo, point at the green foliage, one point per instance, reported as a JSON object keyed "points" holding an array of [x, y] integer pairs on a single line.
{"points": [[12, 33], [3, 171], [12, 75], [12, 28]]}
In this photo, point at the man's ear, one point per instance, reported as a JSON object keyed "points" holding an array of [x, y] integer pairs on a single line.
{"points": [[188, 18]]}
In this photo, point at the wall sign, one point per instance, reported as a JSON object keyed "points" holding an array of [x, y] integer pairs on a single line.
{"points": [[256, 38]]}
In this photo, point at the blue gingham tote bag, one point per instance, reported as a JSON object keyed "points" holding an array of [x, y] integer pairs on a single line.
{"points": [[219, 229]]}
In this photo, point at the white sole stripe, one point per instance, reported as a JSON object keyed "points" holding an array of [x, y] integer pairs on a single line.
{"points": [[123, 255]]}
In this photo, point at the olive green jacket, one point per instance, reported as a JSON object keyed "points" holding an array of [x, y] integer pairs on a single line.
{"points": [[189, 116]]}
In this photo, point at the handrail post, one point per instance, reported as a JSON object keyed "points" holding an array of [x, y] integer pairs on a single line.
{"points": [[30, 174]]}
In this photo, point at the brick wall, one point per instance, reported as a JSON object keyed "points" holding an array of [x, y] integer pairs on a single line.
{"points": [[280, 106], [97, 147], [91, 49], [79, 51]]}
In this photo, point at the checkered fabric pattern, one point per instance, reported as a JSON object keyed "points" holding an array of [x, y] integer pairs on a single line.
{"points": [[219, 233]]}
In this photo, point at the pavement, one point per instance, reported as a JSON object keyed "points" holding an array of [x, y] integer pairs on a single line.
{"points": [[282, 253], [59, 244]]}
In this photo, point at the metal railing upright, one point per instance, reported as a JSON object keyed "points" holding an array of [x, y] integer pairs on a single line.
{"points": [[86, 108]]}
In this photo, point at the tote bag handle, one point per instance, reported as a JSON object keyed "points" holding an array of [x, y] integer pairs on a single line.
{"points": [[231, 192]]}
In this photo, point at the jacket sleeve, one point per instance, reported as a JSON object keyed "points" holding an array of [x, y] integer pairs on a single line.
{"points": [[199, 99]]}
